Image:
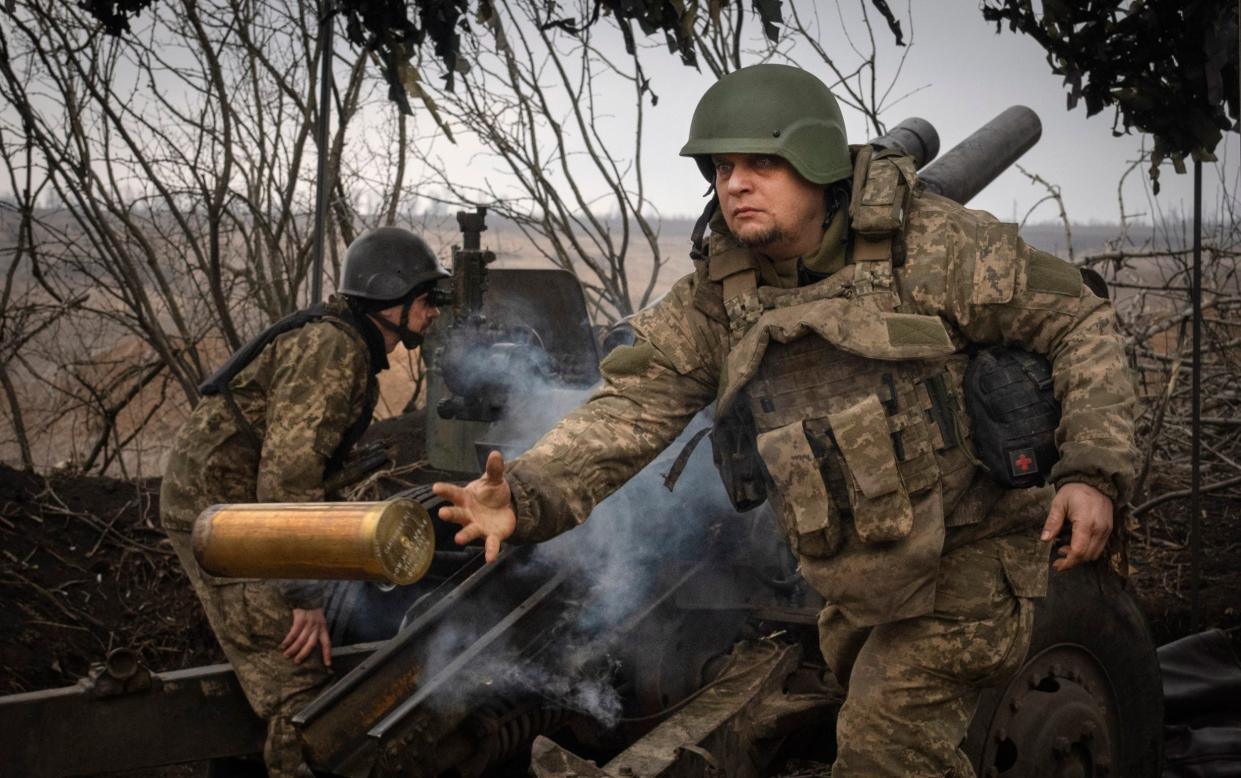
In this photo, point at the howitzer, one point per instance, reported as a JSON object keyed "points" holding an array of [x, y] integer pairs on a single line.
{"points": [[486, 356], [603, 653], [476, 394]]}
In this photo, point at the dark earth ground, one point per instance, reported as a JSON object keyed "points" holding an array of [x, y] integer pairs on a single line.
{"points": [[84, 569]]}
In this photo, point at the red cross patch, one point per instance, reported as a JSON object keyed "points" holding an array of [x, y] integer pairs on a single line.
{"points": [[1022, 461]]}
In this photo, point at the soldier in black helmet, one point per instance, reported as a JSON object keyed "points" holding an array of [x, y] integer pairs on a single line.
{"points": [[274, 423]]}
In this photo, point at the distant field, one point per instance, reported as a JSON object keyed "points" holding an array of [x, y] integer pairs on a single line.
{"points": [[61, 433]]}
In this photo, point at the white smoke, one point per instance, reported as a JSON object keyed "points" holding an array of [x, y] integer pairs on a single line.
{"points": [[618, 551]]}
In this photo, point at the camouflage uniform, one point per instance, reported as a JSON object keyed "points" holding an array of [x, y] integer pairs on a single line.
{"points": [[299, 397], [927, 566]]}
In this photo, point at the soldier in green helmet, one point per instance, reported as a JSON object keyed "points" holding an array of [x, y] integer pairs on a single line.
{"points": [[830, 316], [275, 422]]}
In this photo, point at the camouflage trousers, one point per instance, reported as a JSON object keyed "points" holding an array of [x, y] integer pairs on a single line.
{"points": [[249, 620], [913, 685]]}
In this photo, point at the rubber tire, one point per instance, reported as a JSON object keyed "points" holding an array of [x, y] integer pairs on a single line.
{"points": [[1089, 606]]}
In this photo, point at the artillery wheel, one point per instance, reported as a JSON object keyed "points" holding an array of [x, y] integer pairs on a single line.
{"points": [[1088, 701]]}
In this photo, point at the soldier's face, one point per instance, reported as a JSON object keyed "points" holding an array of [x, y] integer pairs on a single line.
{"points": [[768, 206], [421, 314]]}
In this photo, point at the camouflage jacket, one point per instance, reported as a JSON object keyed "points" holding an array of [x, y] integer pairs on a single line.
{"points": [[299, 395], [964, 267]]}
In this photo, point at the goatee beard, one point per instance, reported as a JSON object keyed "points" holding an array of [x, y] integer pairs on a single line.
{"points": [[767, 237]]}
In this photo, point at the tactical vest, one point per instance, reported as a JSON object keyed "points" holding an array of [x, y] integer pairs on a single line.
{"points": [[856, 409], [218, 382]]}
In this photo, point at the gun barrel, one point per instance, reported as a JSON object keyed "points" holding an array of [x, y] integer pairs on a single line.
{"points": [[914, 137], [976, 161], [377, 541]]}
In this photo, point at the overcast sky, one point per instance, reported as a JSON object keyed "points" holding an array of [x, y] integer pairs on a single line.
{"points": [[967, 74], [958, 74]]}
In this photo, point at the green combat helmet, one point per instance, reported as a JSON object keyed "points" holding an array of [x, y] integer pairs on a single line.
{"points": [[771, 109]]}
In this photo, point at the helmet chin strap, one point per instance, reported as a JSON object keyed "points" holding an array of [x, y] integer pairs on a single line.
{"points": [[409, 339]]}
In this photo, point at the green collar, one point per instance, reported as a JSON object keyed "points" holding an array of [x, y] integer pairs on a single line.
{"points": [[829, 258]]}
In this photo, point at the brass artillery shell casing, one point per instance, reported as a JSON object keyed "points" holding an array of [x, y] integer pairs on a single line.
{"points": [[376, 541]]}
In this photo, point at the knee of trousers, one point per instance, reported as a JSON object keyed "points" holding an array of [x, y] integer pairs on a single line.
{"points": [[915, 684], [875, 738]]}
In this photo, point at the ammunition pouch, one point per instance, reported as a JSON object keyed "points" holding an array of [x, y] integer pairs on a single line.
{"points": [[736, 458], [1011, 403]]}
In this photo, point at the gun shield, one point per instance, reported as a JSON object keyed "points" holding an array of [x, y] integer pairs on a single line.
{"points": [[389, 541]]}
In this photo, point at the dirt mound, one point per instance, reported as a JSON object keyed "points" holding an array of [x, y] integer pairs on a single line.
{"points": [[1161, 562], [84, 569]]}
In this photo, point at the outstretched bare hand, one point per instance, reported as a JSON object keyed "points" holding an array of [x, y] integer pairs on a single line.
{"points": [[483, 507]]}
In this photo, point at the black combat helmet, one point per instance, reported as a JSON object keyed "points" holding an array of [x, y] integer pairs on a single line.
{"points": [[387, 263], [389, 266]]}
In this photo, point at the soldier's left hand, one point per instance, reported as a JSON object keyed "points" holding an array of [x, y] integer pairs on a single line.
{"points": [[1090, 513], [309, 629]]}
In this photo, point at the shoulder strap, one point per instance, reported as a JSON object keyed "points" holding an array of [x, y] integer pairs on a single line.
{"points": [[697, 246], [219, 380], [883, 183]]}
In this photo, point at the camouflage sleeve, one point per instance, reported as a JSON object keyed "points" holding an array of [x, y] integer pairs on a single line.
{"points": [[650, 391], [307, 595], [316, 390], [997, 289]]}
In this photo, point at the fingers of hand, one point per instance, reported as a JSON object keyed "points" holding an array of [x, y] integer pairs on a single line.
{"points": [[492, 548], [314, 632], [495, 468], [1091, 527], [1090, 513], [295, 629], [1055, 517], [468, 534], [1066, 560], [1081, 543], [325, 641], [456, 515], [1100, 529], [454, 494], [308, 645], [297, 649], [308, 630]]}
